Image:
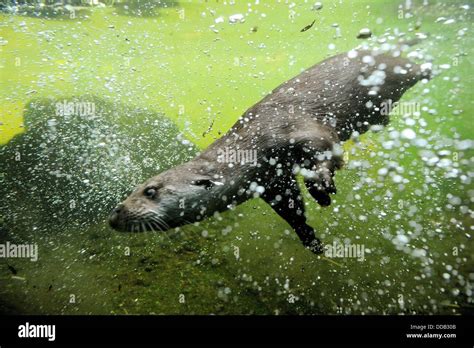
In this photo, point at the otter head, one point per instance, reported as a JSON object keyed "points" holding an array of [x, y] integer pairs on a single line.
{"points": [[176, 197]]}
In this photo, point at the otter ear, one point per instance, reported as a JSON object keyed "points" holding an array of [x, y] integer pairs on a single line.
{"points": [[207, 183]]}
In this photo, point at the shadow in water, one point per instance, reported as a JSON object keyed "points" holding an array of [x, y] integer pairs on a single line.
{"points": [[143, 8], [81, 9], [58, 10], [78, 158]]}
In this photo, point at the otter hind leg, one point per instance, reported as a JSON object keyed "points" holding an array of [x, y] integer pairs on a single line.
{"points": [[285, 198]]}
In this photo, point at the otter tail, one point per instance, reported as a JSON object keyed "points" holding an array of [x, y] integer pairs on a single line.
{"points": [[424, 70]]}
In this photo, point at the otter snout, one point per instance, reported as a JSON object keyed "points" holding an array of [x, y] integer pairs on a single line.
{"points": [[115, 217]]}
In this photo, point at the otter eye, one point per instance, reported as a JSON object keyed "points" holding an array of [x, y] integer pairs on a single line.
{"points": [[208, 184], [150, 192], [203, 182]]}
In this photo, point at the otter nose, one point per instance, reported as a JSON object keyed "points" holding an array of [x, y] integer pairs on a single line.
{"points": [[114, 216], [118, 208]]}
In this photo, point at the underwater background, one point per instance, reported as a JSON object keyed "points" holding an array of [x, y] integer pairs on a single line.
{"points": [[167, 78]]}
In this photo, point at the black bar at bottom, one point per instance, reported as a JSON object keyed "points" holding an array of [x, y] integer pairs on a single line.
{"points": [[134, 330]]}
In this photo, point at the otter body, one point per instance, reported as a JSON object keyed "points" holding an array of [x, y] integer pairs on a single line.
{"points": [[297, 128]]}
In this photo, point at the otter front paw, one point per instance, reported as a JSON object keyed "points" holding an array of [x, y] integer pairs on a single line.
{"points": [[315, 246], [321, 197], [321, 186], [324, 181]]}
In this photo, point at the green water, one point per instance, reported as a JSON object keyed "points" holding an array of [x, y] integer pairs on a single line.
{"points": [[170, 61]]}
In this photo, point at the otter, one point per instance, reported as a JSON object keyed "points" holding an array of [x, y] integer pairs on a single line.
{"points": [[297, 129]]}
